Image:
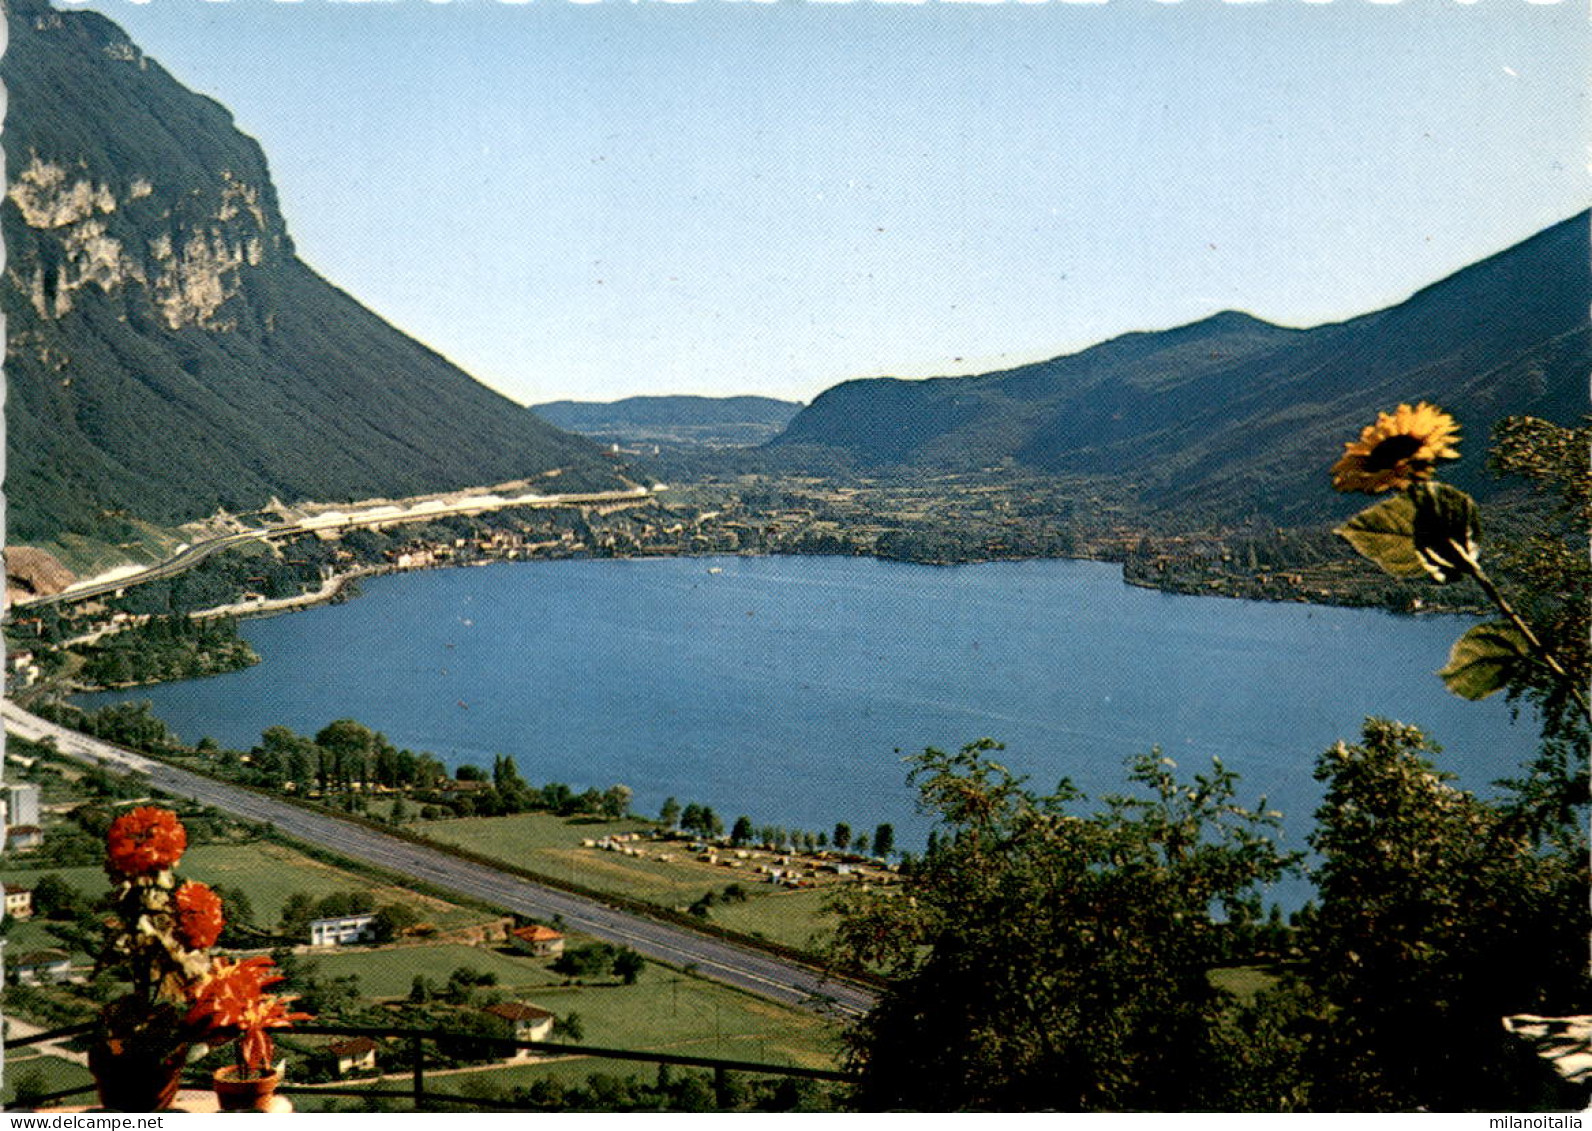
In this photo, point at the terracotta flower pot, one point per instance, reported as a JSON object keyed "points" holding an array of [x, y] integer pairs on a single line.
{"points": [[241, 1089], [134, 1078]]}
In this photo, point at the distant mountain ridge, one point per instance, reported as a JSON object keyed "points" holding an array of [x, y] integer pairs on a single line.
{"points": [[679, 419], [1231, 415], [168, 353]]}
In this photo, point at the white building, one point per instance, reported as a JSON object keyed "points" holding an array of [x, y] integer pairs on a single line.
{"points": [[341, 930], [22, 804]]}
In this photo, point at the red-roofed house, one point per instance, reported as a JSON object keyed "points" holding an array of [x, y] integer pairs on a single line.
{"points": [[357, 1054], [525, 1022], [544, 942]]}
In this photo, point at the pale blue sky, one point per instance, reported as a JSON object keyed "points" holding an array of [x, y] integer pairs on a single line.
{"points": [[605, 199]]}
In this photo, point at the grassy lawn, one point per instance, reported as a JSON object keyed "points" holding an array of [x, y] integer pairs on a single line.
{"points": [[388, 972], [24, 935], [50, 1073], [665, 1009], [1244, 982], [794, 918], [269, 873], [552, 845]]}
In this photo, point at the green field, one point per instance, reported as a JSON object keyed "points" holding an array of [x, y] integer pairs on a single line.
{"points": [[551, 845], [269, 873], [792, 918], [665, 1009], [50, 1073], [24, 935], [1244, 982], [388, 972]]}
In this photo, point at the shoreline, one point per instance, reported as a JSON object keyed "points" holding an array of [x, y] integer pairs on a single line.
{"points": [[332, 589]]}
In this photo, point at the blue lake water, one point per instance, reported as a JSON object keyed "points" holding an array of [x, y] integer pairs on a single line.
{"points": [[788, 689]]}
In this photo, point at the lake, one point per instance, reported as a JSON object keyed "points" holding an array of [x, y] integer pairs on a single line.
{"points": [[789, 688]]}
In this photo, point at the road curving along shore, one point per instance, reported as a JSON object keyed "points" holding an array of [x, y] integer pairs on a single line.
{"points": [[766, 975]]}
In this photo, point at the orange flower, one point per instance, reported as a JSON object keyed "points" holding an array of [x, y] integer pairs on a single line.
{"points": [[229, 1002], [143, 841], [1399, 450], [199, 918], [255, 1046], [227, 986]]}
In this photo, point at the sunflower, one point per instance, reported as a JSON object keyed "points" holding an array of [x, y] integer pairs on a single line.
{"points": [[144, 841], [1399, 450]]}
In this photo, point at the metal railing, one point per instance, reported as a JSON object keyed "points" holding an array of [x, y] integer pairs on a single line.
{"points": [[415, 1040]]}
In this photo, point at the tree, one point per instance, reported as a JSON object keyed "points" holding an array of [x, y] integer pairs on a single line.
{"points": [[392, 921], [54, 898], [297, 911], [1438, 917], [742, 832], [1049, 959], [239, 912], [884, 840], [32, 1085], [842, 836], [511, 788], [670, 813], [349, 746], [589, 961], [616, 801], [628, 965], [691, 820], [1550, 576]]}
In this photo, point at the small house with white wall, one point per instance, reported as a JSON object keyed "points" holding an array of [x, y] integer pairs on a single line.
{"points": [[19, 902], [43, 968], [543, 942], [341, 930], [525, 1022], [357, 1054]]}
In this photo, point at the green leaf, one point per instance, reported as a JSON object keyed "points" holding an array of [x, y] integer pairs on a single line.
{"points": [[1385, 533], [1485, 659], [1447, 526]]}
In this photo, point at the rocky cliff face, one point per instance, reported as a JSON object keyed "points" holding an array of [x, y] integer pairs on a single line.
{"points": [[187, 273], [167, 352]]}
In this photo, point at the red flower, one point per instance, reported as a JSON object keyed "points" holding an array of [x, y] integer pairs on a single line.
{"points": [[199, 918], [144, 841], [229, 1002]]}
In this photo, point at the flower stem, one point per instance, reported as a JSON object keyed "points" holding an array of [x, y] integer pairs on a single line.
{"points": [[1542, 651]]}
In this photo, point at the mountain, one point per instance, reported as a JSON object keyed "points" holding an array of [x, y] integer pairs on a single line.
{"points": [[168, 353], [705, 421], [1231, 416]]}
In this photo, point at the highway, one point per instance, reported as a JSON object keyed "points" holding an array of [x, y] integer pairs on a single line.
{"points": [[743, 967], [409, 510]]}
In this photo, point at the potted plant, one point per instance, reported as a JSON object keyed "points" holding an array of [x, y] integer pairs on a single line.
{"points": [[157, 939], [230, 1003]]}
